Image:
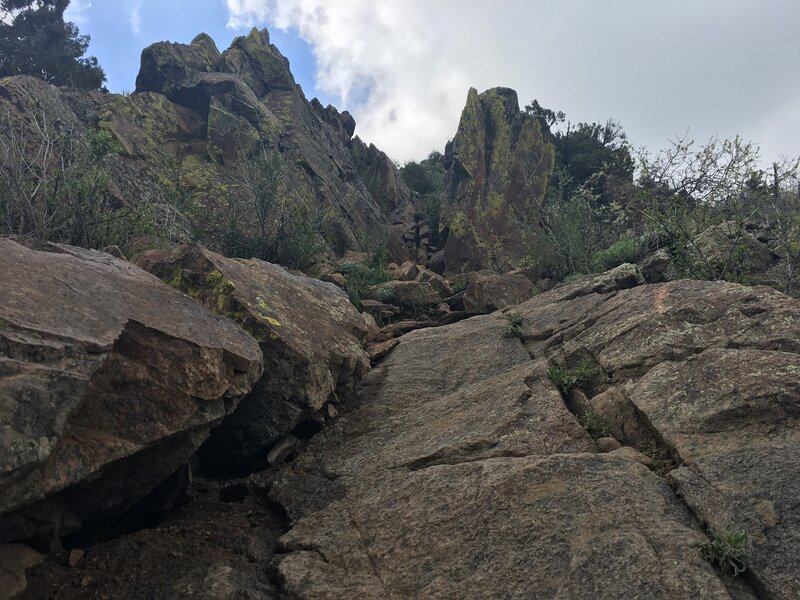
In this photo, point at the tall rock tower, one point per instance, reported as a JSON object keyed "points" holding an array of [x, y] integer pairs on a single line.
{"points": [[498, 166]]}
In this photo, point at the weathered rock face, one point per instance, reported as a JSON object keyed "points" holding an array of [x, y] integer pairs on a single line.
{"points": [[481, 483], [488, 291], [109, 381], [196, 109], [749, 260], [498, 166], [248, 93], [308, 332]]}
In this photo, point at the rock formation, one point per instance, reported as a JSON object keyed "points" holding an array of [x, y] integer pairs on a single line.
{"points": [[498, 166], [475, 462], [308, 332], [109, 382], [482, 483], [195, 110]]}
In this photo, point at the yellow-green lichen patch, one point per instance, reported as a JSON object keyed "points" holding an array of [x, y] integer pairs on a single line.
{"points": [[214, 278], [274, 322], [221, 302], [180, 282], [460, 224]]}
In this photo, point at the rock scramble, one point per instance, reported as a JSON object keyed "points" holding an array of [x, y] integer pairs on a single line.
{"points": [[463, 473], [580, 445]]}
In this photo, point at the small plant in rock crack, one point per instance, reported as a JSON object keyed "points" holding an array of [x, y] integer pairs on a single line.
{"points": [[514, 322], [594, 425], [584, 372], [726, 550], [562, 379], [580, 376]]}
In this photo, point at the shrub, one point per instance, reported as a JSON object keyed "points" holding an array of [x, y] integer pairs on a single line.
{"points": [[594, 425], [624, 250], [562, 379], [584, 372], [726, 550], [580, 376], [460, 285], [363, 275], [514, 322], [386, 294]]}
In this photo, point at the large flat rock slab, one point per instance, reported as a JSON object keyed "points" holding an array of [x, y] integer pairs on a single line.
{"points": [[722, 400], [565, 526], [482, 398], [754, 489], [464, 473]]}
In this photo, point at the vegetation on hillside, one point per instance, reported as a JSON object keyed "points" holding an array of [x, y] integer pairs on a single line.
{"points": [[426, 179], [709, 206]]}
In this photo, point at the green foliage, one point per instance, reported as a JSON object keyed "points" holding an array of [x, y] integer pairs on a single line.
{"points": [[426, 178], [35, 40], [55, 186], [580, 376], [562, 379], [251, 214], [625, 250], [386, 295], [365, 274], [594, 425], [585, 371], [727, 550], [514, 322], [460, 285], [685, 189]]}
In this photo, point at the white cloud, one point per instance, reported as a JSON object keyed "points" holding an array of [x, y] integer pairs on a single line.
{"points": [[244, 13], [135, 16], [403, 67], [78, 11]]}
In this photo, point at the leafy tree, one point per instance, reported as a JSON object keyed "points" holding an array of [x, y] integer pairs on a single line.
{"points": [[547, 117], [426, 178], [35, 40]]}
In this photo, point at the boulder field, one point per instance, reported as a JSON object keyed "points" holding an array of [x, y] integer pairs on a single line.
{"points": [[581, 444]]}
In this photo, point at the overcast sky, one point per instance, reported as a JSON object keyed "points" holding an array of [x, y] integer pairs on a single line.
{"points": [[403, 67]]}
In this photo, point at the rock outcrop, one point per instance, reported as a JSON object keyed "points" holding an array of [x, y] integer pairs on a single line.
{"points": [[498, 167], [481, 482], [309, 334], [109, 382], [196, 110], [487, 291]]}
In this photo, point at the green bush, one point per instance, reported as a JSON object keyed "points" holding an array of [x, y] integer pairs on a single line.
{"points": [[562, 379], [624, 250], [584, 372], [726, 550], [594, 425], [514, 323], [386, 295], [363, 275], [580, 376]]}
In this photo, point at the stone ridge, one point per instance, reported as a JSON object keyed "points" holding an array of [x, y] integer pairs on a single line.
{"points": [[248, 91], [195, 109]]}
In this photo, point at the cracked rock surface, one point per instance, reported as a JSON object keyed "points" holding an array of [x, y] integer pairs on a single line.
{"points": [[463, 473]]}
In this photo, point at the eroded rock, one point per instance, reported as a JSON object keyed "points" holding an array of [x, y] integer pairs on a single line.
{"points": [[308, 331], [110, 380]]}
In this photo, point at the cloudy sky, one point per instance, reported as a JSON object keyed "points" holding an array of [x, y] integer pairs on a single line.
{"points": [[403, 67]]}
